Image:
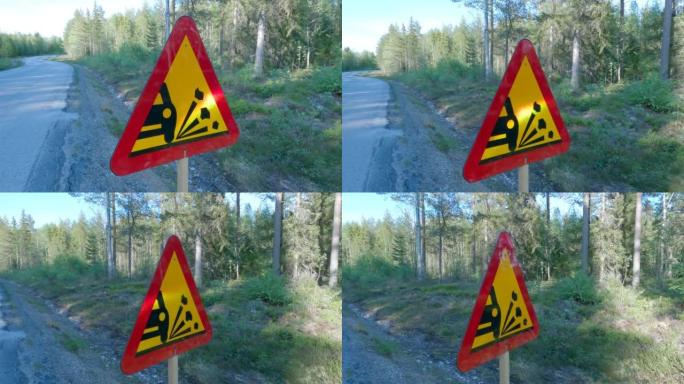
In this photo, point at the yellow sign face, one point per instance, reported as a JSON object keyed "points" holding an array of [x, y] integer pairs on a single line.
{"points": [[174, 316], [505, 313], [524, 122], [184, 109]]}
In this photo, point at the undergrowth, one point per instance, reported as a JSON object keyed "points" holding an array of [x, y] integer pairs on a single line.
{"points": [[265, 328]]}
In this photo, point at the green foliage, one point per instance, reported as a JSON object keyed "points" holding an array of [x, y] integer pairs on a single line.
{"points": [[580, 288], [19, 44], [268, 288], [355, 61], [368, 272], [6, 63], [652, 93], [128, 62]]}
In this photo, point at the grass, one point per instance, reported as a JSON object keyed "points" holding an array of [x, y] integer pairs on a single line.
{"points": [[384, 347], [290, 121], [7, 63], [624, 137], [265, 328], [594, 333]]}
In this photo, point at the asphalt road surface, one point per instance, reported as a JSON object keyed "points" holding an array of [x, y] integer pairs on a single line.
{"points": [[32, 99], [365, 136]]}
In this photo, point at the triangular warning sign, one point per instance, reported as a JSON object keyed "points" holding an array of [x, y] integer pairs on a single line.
{"points": [[503, 317], [182, 110], [523, 124], [172, 319]]}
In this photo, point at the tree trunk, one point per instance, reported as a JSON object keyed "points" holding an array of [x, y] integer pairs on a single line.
{"points": [[575, 77], [308, 47], [441, 265], [114, 230], [335, 248], [259, 55], [636, 260], [198, 259], [602, 256], [277, 231], [663, 237], [237, 235], [547, 250], [111, 266], [474, 255], [620, 40], [665, 42], [173, 11], [485, 51], [586, 211], [420, 261], [130, 246]]}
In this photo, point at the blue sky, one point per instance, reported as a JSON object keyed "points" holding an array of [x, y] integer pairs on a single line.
{"points": [[365, 21], [53, 207], [50, 17]]}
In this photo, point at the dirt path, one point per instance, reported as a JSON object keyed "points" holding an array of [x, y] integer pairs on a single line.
{"points": [[372, 354], [50, 348], [431, 152]]}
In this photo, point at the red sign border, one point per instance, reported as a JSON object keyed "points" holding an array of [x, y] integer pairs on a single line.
{"points": [[466, 358], [130, 363], [121, 163], [474, 171]]}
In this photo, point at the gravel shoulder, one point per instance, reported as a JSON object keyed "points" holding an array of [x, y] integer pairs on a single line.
{"points": [[371, 353], [432, 150], [53, 349]]}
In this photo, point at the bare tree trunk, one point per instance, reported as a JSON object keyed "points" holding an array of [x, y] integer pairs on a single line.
{"points": [[130, 247], [259, 55], [487, 58], [422, 236], [602, 256], [620, 40], [665, 44], [233, 37], [114, 230], [441, 264], [420, 261], [335, 248], [586, 212], [173, 11], [575, 77], [308, 47], [277, 231], [663, 236], [198, 259], [474, 255], [111, 266], [547, 250], [636, 260], [237, 235]]}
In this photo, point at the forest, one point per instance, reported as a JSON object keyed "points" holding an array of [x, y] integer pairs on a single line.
{"points": [[279, 34], [602, 268], [615, 69], [458, 231], [601, 42], [13, 46], [277, 61], [267, 275], [230, 239]]}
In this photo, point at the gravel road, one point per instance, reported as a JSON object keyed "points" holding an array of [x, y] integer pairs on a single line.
{"points": [[371, 354], [39, 345]]}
